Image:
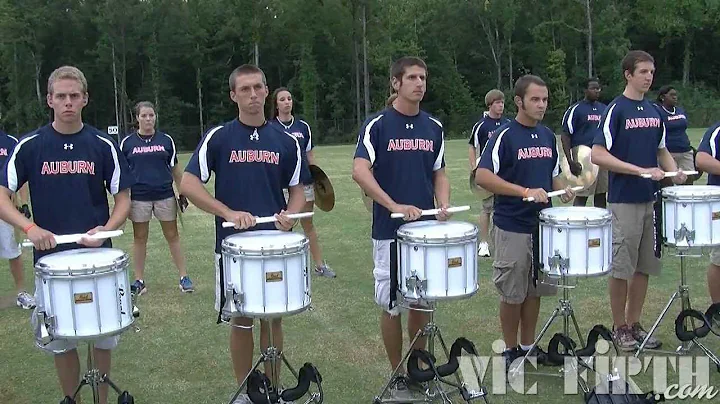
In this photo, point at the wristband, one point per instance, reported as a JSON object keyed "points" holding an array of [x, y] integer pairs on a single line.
{"points": [[28, 227]]}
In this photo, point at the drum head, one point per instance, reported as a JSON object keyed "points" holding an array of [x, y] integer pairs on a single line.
{"points": [[692, 191], [265, 241], [572, 214], [436, 230], [81, 259]]}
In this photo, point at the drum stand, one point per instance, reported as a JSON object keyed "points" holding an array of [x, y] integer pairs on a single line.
{"points": [[434, 388], [683, 237], [93, 378], [273, 355]]}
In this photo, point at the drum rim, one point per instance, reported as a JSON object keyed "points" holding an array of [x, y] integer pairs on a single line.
{"points": [[94, 336], [403, 233], [606, 216], [437, 298], [227, 247], [669, 192], [120, 262], [242, 313]]}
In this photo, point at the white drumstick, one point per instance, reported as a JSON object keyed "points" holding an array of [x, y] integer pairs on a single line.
{"points": [[271, 219], [430, 212], [670, 174], [74, 238], [554, 193]]}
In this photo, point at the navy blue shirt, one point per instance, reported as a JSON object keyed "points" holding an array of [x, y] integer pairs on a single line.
{"points": [[151, 159], [483, 130], [632, 131], [252, 165], [404, 151], [710, 144], [7, 143], [581, 120], [525, 156], [69, 177], [676, 124], [301, 131]]}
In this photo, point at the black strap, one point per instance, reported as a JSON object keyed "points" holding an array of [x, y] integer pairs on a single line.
{"points": [[394, 265], [536, 265], [657, 220], [221, 265]]}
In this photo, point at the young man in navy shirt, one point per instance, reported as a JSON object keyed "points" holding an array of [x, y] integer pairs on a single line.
{"points": [[676, 124], [253, 162], [708, 160], [69, 167], [481, 132], [153, 159], [9, 248], [630, 141], [579, 126], [399, 162], [520, 161]]}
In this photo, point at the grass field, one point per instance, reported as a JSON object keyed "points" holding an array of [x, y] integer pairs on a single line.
{"points": [[181, 354]]}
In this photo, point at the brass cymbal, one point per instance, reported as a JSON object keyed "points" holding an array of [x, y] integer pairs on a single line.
{"points": [[588, 173], [324, 192], [476, 189]]}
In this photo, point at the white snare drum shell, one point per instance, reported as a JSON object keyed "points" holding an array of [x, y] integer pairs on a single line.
{"points": [[85, 293], [697, 208], [442, 255], [581, 235], [268, 272]]}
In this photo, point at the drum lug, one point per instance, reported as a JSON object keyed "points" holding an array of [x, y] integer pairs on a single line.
{"points": [[415, 285], [683, 236], [45, 323], [237, 298], [558, 262]]}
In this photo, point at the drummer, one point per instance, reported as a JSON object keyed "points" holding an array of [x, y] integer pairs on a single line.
{"points": [[708, 160], [630, 141], [579, 125], [399, 163], [520, 161], [481, 132], [253, 162], [69, 167]]}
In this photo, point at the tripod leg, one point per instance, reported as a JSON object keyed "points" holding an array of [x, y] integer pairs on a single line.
{"points": [[513, 372], [577, 327], [657, 323], [260, 360], [110, 383], [403, 360], [285, 361], [707, 352], [83, 382]]}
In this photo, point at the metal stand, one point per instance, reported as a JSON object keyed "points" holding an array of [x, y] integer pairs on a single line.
{"points": [[93, 378], [433, 389], [684, 239], [273, 355]]}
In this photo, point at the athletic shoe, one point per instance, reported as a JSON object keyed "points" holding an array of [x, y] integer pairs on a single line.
{"points": [[25, 301], [186, 285]]}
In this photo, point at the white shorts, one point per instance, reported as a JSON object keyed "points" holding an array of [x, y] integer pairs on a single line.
{"points": [[9, 248], [381, 273], [60, 346], [309, 193]]}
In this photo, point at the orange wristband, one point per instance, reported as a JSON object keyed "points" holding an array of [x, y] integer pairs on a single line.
{"points": [[28, 227]]}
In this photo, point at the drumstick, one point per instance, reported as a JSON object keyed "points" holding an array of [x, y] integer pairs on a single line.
{"points": [[271, 219], [554, 193], [74, 238], [670, 174], [431, 212]]}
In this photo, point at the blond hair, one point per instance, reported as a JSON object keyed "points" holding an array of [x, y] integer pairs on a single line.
{"points": [[67, 73], [492, 96]]}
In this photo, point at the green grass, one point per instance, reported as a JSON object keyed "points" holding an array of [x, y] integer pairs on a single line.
{"points": [[181, 355]]}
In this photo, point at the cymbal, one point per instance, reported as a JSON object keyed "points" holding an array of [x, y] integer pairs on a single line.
{"points": [[476, 189], [324, 192], [589, 171]]}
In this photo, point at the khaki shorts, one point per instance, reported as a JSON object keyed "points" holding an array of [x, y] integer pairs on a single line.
{"points": [[512, 268], [9, 248], [600, 186], [715, 256], [309, 193], [487, 204], [165, 210], [684, 161], [633, 242]]}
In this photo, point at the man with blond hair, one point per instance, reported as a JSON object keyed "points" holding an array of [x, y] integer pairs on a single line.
{"points": [[481, 132], [67, 201]]}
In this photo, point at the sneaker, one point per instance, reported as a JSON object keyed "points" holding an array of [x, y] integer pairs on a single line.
{"points": [[399, 389], [511, 355], [186, 285], [540, 355], [25, 301], [624, 339], [639, 334], [483, 249], [324, 270], [138, 287], [242, 399]]}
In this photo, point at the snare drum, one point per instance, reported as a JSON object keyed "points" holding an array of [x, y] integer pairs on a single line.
{"points": [[437, 260], [265, 274], [575, 241], [84, 293], [691, 213]]}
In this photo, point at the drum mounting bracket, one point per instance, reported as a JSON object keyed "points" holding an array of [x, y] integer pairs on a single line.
{"points": [[558, 262], [237, 298], [45, 323], [683, 235], [416, 285]]}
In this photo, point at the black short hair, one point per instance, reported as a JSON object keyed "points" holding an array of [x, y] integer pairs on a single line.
{"points": [[522, 84], [591, 80], [244, 69], [662, 91]]}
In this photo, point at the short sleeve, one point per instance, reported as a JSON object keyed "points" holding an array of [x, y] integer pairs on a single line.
{"points": [[568, 121], [608, 127], [493, 153], [556, 156], [661, 142], [293, 163], [203, 160], [368, 139], [116, 172], [709, 142], [309, 146], [172, 152], [440, 154], [17, 166]]}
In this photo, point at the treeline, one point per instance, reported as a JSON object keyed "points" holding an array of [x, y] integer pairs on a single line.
{"points": [[334, 55]]}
